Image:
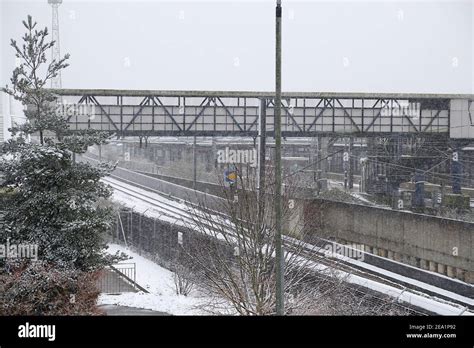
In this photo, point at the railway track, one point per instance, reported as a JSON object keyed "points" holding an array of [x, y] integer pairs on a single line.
{"points": [[181, 211], [183, 214]]}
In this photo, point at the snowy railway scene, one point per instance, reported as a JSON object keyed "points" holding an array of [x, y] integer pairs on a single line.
{"points": [[184, 163]]}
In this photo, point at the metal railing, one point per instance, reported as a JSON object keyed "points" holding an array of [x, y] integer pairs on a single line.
{"points": [[119, 278]]}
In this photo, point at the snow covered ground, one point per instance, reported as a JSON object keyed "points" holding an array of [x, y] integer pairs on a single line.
{"points": [[143, 207], [159, 283]]}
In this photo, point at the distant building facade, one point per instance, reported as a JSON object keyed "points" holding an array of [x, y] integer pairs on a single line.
{"points": [[7, 111], [2, 118]]}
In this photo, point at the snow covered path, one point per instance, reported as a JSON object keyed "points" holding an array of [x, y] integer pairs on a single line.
{"points": [[159, 282]]}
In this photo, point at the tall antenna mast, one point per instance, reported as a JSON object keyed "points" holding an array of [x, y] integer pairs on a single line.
{"points": [[56, 53]]}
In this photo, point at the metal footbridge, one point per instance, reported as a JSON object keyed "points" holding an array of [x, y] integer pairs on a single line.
{"points": [[233, 113]]}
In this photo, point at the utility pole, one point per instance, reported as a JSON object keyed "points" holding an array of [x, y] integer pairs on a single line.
{"points": [[261, 160], [194, 163], [279, 257]]}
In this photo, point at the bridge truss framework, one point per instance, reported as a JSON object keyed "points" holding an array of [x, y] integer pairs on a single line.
{"points": [[213, 113]]}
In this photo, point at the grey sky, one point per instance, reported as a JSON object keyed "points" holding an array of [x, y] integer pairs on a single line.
{"points": [[353, 46]]}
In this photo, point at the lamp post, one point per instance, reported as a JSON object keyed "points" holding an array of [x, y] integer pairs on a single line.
{"points": [[279, 257]]}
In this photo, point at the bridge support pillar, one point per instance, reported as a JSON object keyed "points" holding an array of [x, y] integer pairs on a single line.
{"points": [[214, 152], [364, 176], [456, 171], [322, 163], [419, 199], [350, 171]]}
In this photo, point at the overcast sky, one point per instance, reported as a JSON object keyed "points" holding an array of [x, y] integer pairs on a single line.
{"points": [[346, 46]]}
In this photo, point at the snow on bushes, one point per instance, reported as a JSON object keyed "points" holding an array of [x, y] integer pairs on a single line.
{"points": [[38, 288]]}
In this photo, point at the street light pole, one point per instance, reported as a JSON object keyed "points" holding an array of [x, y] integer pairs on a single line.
{"points": [[194, 164], [279, 257]]}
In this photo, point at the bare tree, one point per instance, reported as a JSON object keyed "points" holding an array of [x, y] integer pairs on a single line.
{"points": [[233, 252], [232, 256]]}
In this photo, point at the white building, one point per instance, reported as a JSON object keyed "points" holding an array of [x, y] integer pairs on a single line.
{"points": [[2, 118], [8, 109]]}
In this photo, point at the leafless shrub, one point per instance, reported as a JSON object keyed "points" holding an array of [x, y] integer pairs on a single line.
{"points": [[183, 279]]}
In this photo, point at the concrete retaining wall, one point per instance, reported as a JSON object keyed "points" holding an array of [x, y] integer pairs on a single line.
{"points": [[439, 244]]}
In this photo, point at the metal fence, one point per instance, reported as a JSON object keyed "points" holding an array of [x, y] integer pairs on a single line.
{"points": [[119, 278]]}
